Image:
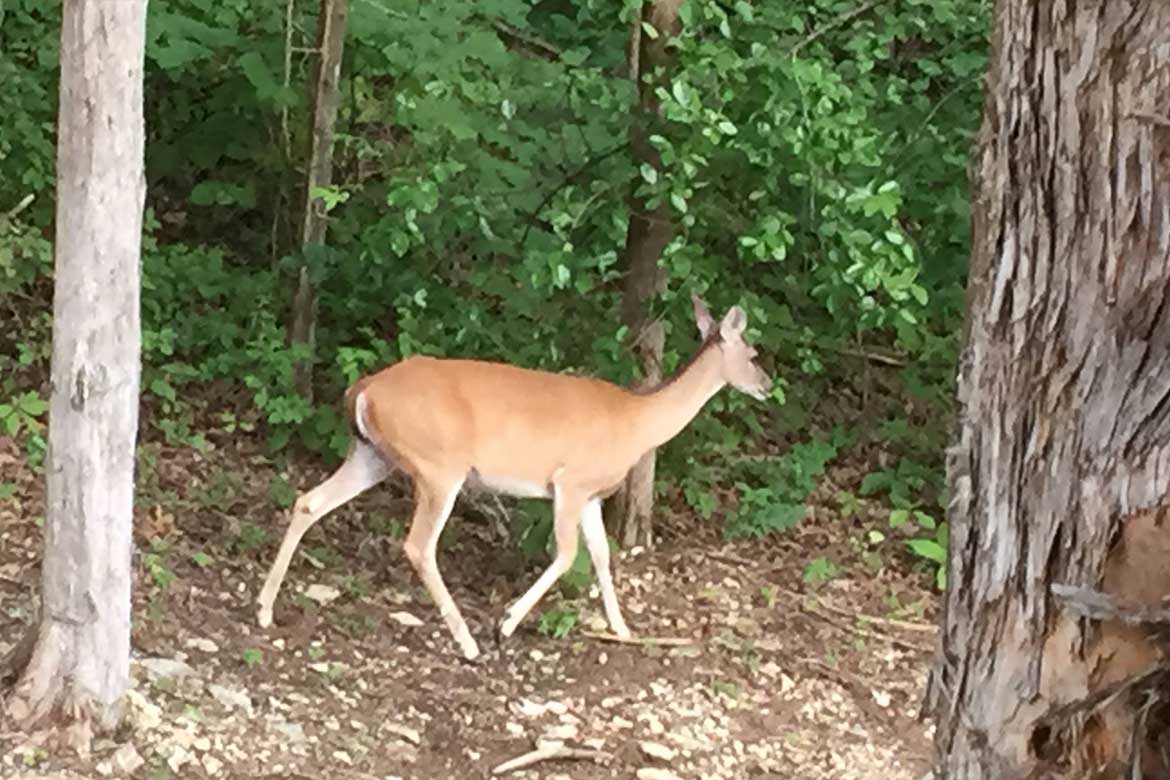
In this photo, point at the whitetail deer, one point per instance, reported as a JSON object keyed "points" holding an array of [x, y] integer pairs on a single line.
{"points": [[518, 432]]}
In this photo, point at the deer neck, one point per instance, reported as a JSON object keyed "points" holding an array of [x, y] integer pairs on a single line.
{"points": [[665, 411]]}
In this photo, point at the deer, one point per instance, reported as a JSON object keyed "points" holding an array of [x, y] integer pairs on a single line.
{"points": [[450, 423]]}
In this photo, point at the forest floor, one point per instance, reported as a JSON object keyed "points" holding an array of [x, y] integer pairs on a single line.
{"points": [[358, 678]]}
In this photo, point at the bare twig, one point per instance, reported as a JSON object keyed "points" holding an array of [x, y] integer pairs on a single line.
{"points": [[647, 641], [1154, 678], [538, 45], [841, 19], [907, 625], [552, 751], [25, 202], [866, 633]]}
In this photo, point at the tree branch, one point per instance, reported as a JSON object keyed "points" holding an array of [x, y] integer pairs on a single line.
{"points": [[841, 19], [536, 45], [1096, 605], [552, 751]]}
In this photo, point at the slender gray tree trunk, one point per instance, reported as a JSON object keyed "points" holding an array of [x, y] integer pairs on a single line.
{"points": [[314, 223], [80, 662], [1060, 472], [630, 510]]}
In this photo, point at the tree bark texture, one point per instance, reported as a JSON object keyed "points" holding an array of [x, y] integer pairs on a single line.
{"points": [[314, 224], [1060, 471], [80, 663], [648, 233]]}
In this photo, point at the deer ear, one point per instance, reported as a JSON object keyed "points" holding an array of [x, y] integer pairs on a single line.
{"points": [[734, 323], [702, 316]]}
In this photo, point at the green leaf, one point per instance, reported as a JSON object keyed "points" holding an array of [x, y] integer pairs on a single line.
{"points": [[575, 57], [258, 75], [649, 173], [679, 202], [727, 128], [32, 405], [928, 549]]}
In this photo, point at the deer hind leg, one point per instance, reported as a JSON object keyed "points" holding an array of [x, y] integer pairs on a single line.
{"points": [[566, 509], [435, 500], [363, 468], [593, 530]]}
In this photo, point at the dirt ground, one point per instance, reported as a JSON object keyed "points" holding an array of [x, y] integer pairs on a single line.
{"points": [[358, 678]]}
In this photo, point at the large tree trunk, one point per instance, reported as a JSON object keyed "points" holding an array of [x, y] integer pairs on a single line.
{"points": [[648, 233], [1060, 473], [330, 45], [80, 663]]}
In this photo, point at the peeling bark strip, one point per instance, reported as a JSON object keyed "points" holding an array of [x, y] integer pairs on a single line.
{"points": [[79, 666], [1063, 442]]}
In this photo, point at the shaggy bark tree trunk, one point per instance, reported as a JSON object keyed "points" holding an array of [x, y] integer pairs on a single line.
{"points": [[330, 45], [80, 661], [1060, 472], [648, 233]]}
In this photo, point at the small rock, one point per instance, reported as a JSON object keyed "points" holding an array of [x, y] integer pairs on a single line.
{"points": [[655, 773], [104, 768], [406, 732], [343, 757], [212, 764], [561, 732], [529, 708], [556, 707], [513, 728], [322, 594], [165, 668], [659, 751], [179, 756], [406, 619], [882, 698], [292, 732], [144, 715], [206, 645], [231, 698]]}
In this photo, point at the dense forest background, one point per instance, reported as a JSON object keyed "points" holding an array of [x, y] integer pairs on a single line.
{"points": [[813, 161]]}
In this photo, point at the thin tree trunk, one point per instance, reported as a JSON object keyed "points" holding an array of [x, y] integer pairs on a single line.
{"points": [[79, 666], [630, 510], [330, 44], [1060, 472]]}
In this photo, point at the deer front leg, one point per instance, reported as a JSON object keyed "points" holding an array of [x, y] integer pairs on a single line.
{"points": [[593, 529], [435, 501], [566, 509]]}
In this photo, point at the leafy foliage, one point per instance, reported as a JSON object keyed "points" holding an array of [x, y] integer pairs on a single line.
{"points": [[813, 157]]}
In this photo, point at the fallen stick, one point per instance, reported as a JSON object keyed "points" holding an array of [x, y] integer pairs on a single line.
{"points": [[552, 751], [663, 641]]}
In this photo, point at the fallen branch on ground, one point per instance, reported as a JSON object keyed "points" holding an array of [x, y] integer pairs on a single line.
{"points": [[552, 751], [662, 641], [863, 632]]}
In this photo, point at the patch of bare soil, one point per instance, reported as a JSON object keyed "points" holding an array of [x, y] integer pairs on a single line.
{"points": [[359, 679]]}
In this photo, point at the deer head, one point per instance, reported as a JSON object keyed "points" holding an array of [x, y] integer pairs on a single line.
{"points": [[737, 357]]}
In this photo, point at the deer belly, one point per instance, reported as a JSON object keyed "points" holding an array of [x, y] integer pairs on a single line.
{"points": [[518, 488]]}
